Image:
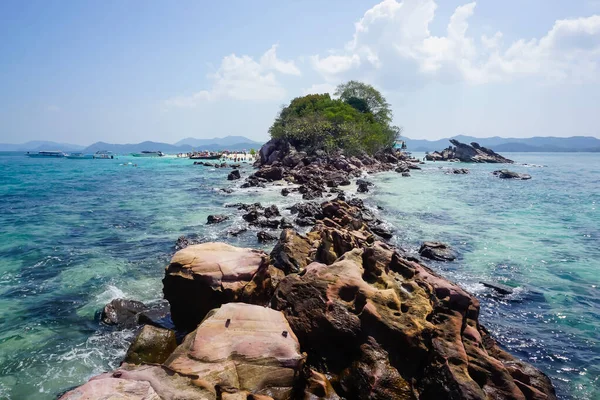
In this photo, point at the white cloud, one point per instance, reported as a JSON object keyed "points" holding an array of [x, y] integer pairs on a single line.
{"points": [[320, 88], [242, 78], [392, 42]]}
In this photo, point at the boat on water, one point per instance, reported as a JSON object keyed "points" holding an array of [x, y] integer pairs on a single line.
{"points": [[47, 154], [205, 155], [103, 155], [148, 154], [79, 156]]}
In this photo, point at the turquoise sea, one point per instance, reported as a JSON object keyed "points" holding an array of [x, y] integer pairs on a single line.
{"points": [[75, 234]]}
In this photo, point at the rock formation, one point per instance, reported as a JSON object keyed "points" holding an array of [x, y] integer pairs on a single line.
{"points": [[506, 174], [334, 313], [467, 153]]}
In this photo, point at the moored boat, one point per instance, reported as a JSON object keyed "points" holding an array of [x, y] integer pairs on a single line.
{"points": [[148, 154], [104, 155], [205, 155], [47, 154], [79, 156]]}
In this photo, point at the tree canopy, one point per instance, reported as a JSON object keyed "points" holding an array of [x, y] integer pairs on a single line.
{"points": [[358, 122]]}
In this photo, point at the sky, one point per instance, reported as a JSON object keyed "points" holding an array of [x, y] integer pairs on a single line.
{"points": [[128, 71]]}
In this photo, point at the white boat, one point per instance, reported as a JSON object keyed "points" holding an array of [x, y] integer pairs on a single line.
{"points": [[79, 156], [104, 155], [148, 154], [47, 154]]}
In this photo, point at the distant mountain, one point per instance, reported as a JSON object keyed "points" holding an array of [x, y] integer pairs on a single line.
{"points": [[224, 141], [168, 148], [534, 144], [40, 145]]}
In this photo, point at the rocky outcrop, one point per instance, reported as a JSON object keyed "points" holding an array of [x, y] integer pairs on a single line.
{"points": [[506, 174], [204, 276], [437, 251], [467, 153]]}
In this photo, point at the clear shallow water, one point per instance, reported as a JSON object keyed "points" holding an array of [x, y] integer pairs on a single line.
{"points": [[78, 233]]}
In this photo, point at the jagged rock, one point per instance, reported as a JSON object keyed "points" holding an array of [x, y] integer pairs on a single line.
{"points": [[122, 312], [204, 276], [265, 237], [502, 289], [271, 173], [308, 209], [183, 242], [271, 211], [388, 328], [267, 223], [237, 231], [382, 231], [465, 153], [437, 251], [244, 347], [285, 191], [362, 188], [245, 206], [319, 387], [458, 171], [151, 345], [233, 175], [251, 216], [215, 219], [158, 315], [506, 174], [291, 252]]}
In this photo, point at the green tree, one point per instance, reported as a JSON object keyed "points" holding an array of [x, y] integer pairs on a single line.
{"points": [[377, 104]]}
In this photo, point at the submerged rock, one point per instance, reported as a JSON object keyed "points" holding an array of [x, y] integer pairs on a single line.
{"points": [[233, 175], [437, 251], [216, 219], [151, 345], [498, 287], [506, 174], [122, 312]]}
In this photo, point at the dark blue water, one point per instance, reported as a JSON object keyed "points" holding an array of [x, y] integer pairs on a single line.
{"points": [[77, 233]]}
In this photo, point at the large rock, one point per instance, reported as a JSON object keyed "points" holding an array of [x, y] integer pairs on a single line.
{"points": [[246, 347], [216, 219], [437, 251], [271, 173], [204, 276], [385, 327], [233, 175], [467, 153], [151, 345]]}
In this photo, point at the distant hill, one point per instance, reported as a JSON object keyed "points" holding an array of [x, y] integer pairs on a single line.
{"points": [[534, 144], [183, 146], [168, 148], [224, 141], [40, 145]]}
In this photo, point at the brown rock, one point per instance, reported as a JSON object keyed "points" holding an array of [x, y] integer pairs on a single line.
{"points": [[204, 276], [151, 345], [291, 253]]}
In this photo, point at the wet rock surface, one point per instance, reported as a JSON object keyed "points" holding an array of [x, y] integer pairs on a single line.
{"points": [[151, 345], [437, 251], [506, 174], [122, 312]]}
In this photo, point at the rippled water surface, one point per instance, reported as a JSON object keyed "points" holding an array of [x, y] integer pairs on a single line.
{"points": [[77, 233]]}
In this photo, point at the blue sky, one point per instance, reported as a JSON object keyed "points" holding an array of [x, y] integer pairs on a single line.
{"points": [[127, 71]]}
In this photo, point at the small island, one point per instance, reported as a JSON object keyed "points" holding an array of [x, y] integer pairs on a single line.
{"points": [[473, 153]]}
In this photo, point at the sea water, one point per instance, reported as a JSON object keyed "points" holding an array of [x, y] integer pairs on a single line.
{"points": [[75, 234]]}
